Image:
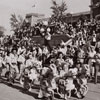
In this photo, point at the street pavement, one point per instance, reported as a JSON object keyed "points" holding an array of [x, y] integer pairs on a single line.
{"points": [[16, 92]]}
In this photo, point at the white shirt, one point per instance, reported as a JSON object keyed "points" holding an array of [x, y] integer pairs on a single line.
{"points": [[7, 59], [63, 50], [45, 51], [1, 61], [54, 69], [40, 51], [91, 54], [28, 63], [20, 50], [48, 36], [21, 59], [14, 58]]}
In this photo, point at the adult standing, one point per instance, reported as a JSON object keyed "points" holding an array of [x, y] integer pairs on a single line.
{"points": [[21, 62], [13, 62], [93, 43], [91, 54], [48, 39], [97, 64]]}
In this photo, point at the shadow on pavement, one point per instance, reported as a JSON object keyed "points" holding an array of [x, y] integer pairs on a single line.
{"points": [[98, 79], [93, 80], [21, 89], [36, 87]]}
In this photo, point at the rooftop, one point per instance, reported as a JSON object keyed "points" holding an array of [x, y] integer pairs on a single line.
{"points": [[35, 15], [81, 13]]}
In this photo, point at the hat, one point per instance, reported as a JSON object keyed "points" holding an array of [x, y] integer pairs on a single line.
{"points": [[48, 29]]}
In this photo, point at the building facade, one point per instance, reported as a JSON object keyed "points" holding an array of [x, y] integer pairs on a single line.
{"points": [[95, 8], [33, 18], [72, 18]]}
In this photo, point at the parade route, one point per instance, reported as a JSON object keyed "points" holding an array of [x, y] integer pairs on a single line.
{"points": [[15, 92]]}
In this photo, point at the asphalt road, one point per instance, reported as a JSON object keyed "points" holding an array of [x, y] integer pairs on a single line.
{"points": [[16, 92]]}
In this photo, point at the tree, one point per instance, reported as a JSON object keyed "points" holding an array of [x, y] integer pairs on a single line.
{"points": [[2, 30], [58, 11], [16, 21]]}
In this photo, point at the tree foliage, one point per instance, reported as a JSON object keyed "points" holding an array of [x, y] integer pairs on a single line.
{"points": [[16, 21], [2, 30], [58, 11]]}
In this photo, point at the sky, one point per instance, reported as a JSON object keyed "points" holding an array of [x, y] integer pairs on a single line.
{"points": [[22, 7]]}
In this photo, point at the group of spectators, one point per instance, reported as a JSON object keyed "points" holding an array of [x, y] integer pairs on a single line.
{"points": [[20, 51], [83, 34], [56, 28], [24, 35]]}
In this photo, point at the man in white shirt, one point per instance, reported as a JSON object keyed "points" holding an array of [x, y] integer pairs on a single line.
{"points": [[14, 59], [7, 60], [21, 61]]}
